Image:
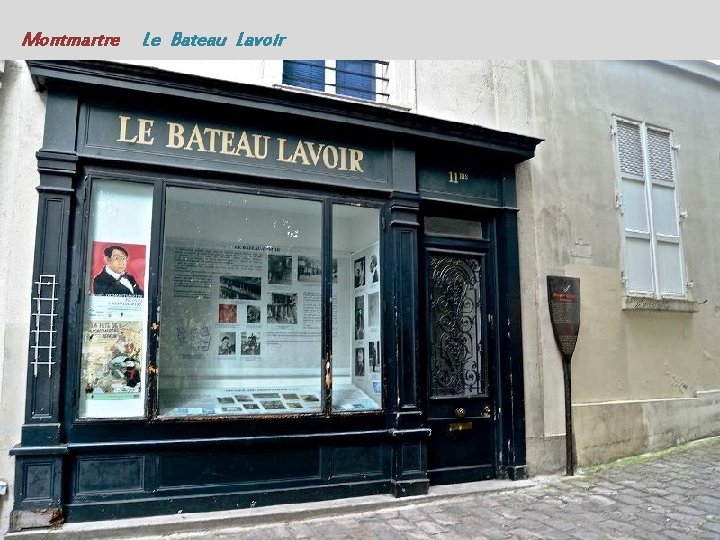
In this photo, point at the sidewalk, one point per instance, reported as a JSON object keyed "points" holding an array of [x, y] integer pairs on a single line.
{"points": [[670, 494]]}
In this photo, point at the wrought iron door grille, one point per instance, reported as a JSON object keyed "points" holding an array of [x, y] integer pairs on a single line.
{"points": [[457, 366]]}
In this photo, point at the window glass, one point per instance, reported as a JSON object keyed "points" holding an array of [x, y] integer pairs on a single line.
{"points": [[356, 340], [453, 227], [305, 73], [240, 310], [114, 339], [355, 78]]}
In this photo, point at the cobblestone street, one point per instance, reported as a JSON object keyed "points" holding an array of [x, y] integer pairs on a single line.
{"points": [[675, 494]]}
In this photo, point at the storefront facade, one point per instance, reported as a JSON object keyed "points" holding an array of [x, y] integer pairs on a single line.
{"points": [[244, 296]]}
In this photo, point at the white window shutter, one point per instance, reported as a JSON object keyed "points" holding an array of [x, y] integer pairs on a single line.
{"points": [[653, 261]]}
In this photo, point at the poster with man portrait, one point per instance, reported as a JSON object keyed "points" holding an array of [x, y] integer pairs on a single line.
{"points": [[117, 269]]}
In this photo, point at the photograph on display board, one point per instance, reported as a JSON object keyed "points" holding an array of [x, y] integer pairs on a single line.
{"points": [[117, 269], [309, 269], [279, 269], [253, 314], [227, 344], [240, 287], [359, 270], [374, 355], [111, 359], [249, 343], [374, 275], [359, 317], [227, 314], [373, 310], [282, 309], [359, 362]]}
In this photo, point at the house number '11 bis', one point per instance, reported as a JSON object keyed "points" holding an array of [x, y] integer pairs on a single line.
{"points": [[456, 177]]}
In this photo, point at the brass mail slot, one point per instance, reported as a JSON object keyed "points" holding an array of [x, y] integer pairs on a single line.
{"points": [[460, 426]]}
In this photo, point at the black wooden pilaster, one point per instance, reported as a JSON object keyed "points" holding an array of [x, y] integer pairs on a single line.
{"points": [[410, 449], [511, 361], [38, 484]]}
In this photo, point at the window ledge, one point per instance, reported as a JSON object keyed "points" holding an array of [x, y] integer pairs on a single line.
{"points": [[645, 303], [340, 97]]}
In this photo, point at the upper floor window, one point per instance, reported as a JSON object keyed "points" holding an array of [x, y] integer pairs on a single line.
{"points": [[364, 79], [653, 258]]}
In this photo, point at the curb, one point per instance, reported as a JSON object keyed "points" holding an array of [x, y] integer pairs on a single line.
{"points": [[187, 525]]}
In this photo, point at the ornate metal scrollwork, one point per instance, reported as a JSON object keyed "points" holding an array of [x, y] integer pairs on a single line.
{"points": [[456, 355]]}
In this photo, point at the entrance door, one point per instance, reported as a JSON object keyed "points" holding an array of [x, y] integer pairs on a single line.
{"points": [[460, 353]]}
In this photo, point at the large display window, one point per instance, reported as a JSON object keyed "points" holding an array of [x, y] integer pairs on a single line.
{"points": [[240, 303]]}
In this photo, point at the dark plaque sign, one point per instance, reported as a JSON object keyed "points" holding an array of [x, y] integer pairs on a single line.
{"points": [[564, 302], [564, 299]]}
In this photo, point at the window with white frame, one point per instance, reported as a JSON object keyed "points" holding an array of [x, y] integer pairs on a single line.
{"points": [[653, 258], [364, 79]]}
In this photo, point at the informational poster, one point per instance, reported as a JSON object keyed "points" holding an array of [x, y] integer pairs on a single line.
{"points": [[243, 309], [111, 358], [366, 372]]}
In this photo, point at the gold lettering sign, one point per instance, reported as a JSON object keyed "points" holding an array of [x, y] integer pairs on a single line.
{"points": [[256, 146]]}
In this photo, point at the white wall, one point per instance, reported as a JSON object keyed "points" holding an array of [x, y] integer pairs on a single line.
{"points": [[21, 128]]}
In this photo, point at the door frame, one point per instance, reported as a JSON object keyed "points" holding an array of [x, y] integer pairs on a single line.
{"points": [[501, 244], [486, 248]]}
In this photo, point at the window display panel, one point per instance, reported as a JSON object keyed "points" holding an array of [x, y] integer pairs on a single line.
{"points": [[114, 338], [357, 362], [240, 305]]}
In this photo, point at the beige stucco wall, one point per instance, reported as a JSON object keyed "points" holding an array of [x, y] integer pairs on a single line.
{"points": [[21, 128], [636, 367], [657, 367]]}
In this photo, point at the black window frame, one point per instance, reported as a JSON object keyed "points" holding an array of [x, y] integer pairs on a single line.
{"points": [[328, 197]]}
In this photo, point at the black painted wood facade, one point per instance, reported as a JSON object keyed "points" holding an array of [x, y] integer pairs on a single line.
{"points": [[106, 469]]}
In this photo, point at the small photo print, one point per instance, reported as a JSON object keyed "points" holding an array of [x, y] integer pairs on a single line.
{"points": [[265, 395], [243, 398], [253, 314], [226, 400], [279, 269], [377, 387], [290, 396], [273, 404], [309, 269], [374, 270], [282, 309], [359, 317], [240, 287], [295, 405], [249, 343], [310, 398], [374, 355], [360, 362], [373, 309], [227, 313], [359, 272], [227, 344], [251, 406]]}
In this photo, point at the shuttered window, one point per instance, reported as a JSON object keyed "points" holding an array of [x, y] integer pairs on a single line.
{"points": [[362, 79], [653, 260]]}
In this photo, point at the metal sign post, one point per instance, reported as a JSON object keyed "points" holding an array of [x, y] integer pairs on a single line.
{"points": [[564, 303]]}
